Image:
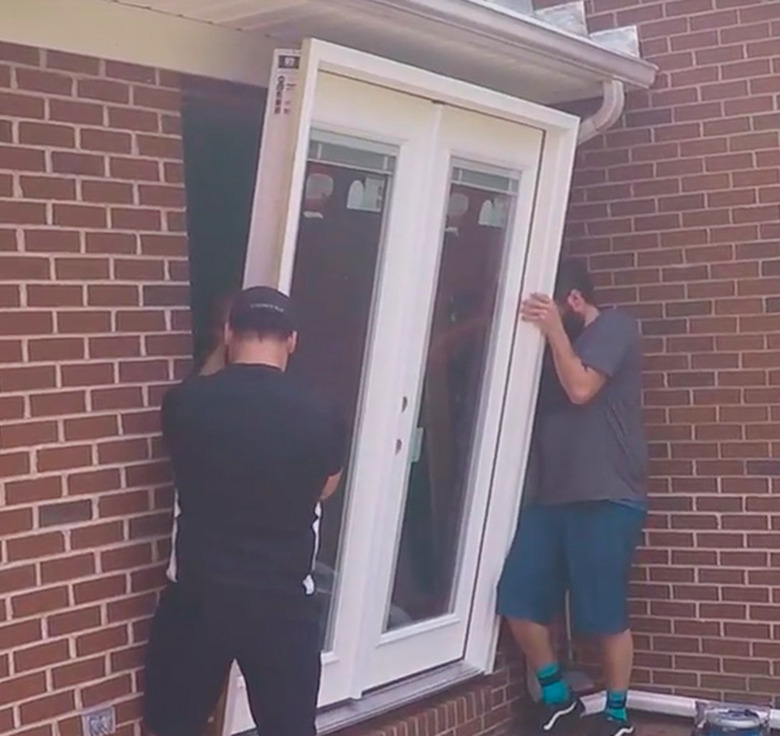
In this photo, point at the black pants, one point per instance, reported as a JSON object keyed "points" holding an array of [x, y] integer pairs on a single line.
{"points": [[195, 638]]}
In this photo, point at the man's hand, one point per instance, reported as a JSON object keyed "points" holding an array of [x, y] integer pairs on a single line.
{"points": [[331, 486], [542, 311], [579, 382]]}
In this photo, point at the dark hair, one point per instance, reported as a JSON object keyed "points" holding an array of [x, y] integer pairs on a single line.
{"points": [[262, 325], [573, 275]]}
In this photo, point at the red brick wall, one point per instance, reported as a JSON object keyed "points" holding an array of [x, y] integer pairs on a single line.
{"points": [[677, 210], [93, 325]]}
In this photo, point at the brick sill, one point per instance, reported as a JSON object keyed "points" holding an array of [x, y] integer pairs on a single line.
{"points": [[384, 700], [392, 697]]}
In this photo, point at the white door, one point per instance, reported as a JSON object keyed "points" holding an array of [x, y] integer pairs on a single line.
{"points": [[404, 545], [461, 321], [403, 240]]}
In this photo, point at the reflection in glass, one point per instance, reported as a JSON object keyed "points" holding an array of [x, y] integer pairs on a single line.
{"points": [[345, 202], [478, 220]]}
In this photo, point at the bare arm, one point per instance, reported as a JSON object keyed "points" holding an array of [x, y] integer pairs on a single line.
{"points": [[579, 382], [331, 486]]}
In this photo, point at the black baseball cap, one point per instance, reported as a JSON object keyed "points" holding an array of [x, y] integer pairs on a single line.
{"points": [[262, 310]]}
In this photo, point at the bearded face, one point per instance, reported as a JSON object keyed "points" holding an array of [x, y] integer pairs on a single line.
{"points": [[573, 322]]}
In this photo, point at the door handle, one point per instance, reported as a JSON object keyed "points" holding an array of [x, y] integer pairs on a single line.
{"points": [[399, 445]]}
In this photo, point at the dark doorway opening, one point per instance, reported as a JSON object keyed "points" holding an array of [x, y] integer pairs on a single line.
{"points": [[222, 124]]}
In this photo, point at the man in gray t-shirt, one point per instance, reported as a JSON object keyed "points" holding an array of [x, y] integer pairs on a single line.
{"points": [[585, 504]]}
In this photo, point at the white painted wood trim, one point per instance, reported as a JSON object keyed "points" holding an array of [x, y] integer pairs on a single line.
{"points": [[109, 30]]}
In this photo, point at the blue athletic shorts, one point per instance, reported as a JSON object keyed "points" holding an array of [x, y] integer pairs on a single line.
{"points": [[586, 548]]}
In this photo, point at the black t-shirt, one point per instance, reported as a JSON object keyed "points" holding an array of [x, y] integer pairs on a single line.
{"points": [[251, 453]]}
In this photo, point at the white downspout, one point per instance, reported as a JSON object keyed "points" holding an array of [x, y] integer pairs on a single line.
{"points": [[613, 101]]}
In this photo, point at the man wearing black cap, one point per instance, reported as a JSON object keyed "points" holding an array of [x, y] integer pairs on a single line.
{"points": [[253, 455]]}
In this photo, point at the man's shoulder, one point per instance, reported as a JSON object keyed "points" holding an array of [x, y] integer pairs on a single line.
{"points": [[311, 407], [620, 317], [616, 323], [307, 399], [172, 394], [191, 390], [190, 385]]}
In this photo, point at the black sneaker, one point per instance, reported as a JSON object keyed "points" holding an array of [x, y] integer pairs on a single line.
{"points": [[552, 718], [604, 725]]}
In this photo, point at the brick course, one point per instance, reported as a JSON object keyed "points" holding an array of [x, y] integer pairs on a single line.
{"points": [[94, 324]]}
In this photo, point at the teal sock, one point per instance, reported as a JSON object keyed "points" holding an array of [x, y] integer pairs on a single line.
{"points": [[554, 688], [616, 705]]}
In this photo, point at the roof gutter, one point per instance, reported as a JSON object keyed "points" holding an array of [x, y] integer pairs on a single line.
{"points": [[496, 23], [565, 50]]}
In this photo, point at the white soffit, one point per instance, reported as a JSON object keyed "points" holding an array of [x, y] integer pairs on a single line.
{"points": [[479, 41]]}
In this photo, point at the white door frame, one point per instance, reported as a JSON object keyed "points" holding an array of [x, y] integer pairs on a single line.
{"points": [[560, 139]]}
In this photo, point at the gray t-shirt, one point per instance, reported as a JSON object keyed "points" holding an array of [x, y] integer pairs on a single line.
{"points": [[598, 451]]}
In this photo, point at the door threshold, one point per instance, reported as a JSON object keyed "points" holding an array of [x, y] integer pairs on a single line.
{"points": [[391, 697]]}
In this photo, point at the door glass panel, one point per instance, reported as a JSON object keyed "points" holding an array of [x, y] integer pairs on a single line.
{"points": [[446, 441], [337, 258]]}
